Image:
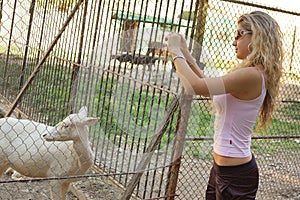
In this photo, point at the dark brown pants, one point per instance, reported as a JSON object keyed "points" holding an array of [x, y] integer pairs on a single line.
{"points": [[233, 182]]}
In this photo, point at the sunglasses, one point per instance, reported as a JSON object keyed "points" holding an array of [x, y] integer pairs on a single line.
{"points": [[239, 34]]}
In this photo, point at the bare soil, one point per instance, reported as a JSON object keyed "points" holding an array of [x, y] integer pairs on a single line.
{"points": [[279, 180], [93, 188]]}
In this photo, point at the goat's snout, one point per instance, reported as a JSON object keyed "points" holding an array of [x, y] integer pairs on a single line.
{"points": [[47, 137]]}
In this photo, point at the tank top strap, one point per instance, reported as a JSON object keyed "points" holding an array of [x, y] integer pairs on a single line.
{"points": [[263, 85]]}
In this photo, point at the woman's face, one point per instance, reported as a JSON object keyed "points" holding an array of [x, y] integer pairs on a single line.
{"points": [[241, 42]]}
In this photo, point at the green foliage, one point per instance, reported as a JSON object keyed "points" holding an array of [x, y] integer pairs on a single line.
{"points": [[130, 111], [291, 111], [280, 127], [186, 15], [200, 149], [274, 146], [61, 5], [50, 93]]}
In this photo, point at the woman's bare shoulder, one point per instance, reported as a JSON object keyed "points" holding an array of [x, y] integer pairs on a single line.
{"points": [[242, 79], [245, 74]]}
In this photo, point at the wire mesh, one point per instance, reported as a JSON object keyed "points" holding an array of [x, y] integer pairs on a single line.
{"points": [[112, 58]]}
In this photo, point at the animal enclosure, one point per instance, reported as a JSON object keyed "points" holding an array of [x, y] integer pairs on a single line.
{"points": [[57, 56]]}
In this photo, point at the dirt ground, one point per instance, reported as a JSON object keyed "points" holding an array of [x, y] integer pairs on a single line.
{"points": [[275, 175], [88, 188], [279, 180]]}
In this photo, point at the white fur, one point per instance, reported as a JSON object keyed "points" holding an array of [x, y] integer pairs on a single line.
{"points": [[37, 150]]}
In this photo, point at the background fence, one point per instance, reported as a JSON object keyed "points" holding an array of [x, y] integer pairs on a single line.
{"points": [[56, 56]]}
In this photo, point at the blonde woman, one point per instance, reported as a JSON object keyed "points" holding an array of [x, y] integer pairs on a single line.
{"points": [[240, 97]]}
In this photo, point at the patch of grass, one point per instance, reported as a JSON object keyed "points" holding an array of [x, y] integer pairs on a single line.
{"points": [[131, 111], [61, 5], [273, 146], [14, 50], [278, 127], [291, 110], [128, 111], [200, 149], [50, 93], [282, 127]]}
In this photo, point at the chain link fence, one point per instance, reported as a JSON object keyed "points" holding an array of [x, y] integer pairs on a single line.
{"points": [[57, 56]]}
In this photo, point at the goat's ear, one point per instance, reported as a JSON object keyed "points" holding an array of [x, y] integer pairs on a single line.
{"points": [[83, 111], [90, 120]]}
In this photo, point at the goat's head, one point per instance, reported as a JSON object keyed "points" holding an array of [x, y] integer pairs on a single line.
{"points": [[71, 128]]}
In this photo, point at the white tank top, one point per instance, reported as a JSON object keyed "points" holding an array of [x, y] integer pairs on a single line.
{"points": [[234, 122]]}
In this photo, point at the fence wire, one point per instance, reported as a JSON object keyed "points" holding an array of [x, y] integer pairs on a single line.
{"points": [[110, 56]]}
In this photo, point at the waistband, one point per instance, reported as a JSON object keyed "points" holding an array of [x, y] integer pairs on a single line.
{"points": [[236, 169]]}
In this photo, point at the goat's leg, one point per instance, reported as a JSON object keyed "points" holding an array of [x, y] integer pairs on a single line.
{"points": [[3, 166], [149, 67], [9, 171], [64, 188], [56, 190], [14, 174]]}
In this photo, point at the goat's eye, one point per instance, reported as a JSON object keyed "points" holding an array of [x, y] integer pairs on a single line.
{"points": [[64, 125]]}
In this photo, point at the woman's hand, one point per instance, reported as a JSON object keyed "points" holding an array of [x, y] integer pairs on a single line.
{"points": [[177, 46], [186, 52], [174, 44], [183, 45]]}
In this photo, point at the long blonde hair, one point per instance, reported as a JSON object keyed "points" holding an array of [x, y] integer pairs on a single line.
{"points": [[267, 52]]}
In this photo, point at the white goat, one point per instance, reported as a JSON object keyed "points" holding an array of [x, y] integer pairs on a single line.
{"points": [[65, 152]]}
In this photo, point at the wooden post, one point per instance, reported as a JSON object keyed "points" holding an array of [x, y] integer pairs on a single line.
{"points": [[185, 107], [186, 100], [150, 149], [129, 36], [198, 35]]}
